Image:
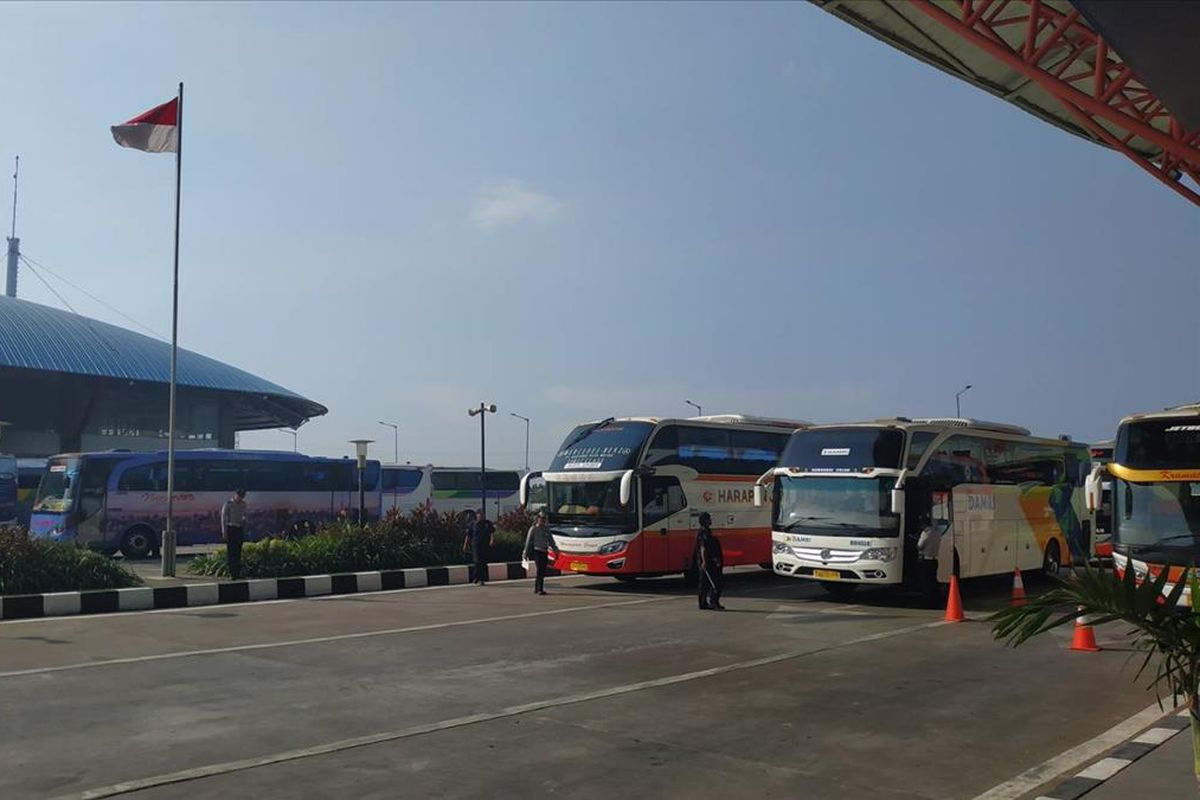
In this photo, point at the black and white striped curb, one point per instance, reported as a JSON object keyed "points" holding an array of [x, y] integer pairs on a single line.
{"points": [[144, 598], [1120, 758]]}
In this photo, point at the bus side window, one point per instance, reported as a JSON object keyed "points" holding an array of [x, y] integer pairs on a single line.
{"points": [[661, 497]]}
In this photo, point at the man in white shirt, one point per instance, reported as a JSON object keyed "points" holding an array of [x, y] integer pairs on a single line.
{"points": [[233, 530]]}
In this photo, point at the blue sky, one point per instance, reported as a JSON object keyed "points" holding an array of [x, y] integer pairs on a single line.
{"points": [[577, 211]]}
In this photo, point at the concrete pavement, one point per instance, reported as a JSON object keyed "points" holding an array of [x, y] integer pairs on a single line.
{"points": [[598, 689]]}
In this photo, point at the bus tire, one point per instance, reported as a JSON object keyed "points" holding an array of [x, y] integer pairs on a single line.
{"points": [[840, 591], [137, 542], [1051, 560], [767, 565]]}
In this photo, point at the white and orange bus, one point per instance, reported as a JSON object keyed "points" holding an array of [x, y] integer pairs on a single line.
{"points": [[1155, 479], [849, 501], [623, 496]]}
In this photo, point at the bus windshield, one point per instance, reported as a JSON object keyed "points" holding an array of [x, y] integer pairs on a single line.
{"points": [[836, 506], [1159, 444], [844, 449], [1159, 517], [588, 504], [609, 446], [54, 492]]}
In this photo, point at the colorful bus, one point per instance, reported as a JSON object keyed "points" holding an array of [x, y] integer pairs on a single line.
{"points": [[848, 502], [118, 500], [1155, 475], [454, 489], [623, 495]]}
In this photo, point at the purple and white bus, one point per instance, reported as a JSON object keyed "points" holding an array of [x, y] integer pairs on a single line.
{"points": [[118, 500]]}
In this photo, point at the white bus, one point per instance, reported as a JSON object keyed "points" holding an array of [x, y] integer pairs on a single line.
{"points": [[454, 489], [848, 501], [623, 495]]}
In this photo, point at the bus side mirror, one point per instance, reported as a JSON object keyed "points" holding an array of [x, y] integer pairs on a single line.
{"points": [[897, 501], [758, 495], [523, 495], [626, 487]]}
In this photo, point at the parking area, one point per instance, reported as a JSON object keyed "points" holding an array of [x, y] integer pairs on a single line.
{"points": [[597, 689]]}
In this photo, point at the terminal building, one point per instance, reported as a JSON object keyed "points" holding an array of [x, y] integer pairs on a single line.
{"points": [[73, 384]]}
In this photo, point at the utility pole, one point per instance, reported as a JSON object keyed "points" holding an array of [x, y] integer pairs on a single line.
{"points": [[518, 416]]}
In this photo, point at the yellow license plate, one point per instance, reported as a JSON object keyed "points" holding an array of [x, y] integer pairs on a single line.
{"points": [[578, 566], [827, 574]]}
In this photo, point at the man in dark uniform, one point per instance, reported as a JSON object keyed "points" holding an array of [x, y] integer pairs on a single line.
{"points": [[483, 534], [709, 563]]}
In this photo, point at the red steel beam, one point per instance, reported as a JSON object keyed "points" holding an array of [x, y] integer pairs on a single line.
{"points": [[1104, 96]]}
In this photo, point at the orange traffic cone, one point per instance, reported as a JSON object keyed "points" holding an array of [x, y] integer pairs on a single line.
{"points": [[954, 609], [1018, 590], [1085, 637]]}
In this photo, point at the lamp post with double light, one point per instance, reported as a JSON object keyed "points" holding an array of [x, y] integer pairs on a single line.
{"points": [[482, 412]]}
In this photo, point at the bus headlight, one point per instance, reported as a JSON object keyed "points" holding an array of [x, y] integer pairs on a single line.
{"points": [[780, 547], [884, 554], [613, 547]]}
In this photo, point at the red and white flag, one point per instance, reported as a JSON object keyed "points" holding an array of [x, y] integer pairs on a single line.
{"points": [[156, 131]]}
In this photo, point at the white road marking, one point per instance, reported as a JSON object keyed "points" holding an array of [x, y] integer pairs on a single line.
{"points": [[223, 768], [241, 648], [1104, 769], [1157, 736], [1070, 760]]}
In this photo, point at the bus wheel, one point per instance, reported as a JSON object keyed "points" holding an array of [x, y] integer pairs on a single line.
{"points": [[626, 578], [767, 565], [840, 591], [137, 542], [1052, 560]]}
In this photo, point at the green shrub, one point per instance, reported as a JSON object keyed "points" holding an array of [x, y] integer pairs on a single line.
{"points": [[33, 566], [421, 538]]}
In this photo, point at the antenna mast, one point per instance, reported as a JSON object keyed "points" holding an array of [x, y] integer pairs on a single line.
{"points": [[14, 244]]}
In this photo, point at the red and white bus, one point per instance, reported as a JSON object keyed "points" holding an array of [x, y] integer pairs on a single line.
{"points": [[624, 496]]}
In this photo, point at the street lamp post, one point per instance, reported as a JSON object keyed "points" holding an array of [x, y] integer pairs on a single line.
{"points": [[518, 416], [396, 437], [482, 412], [699, 410], [360, 450], [957, 404]]}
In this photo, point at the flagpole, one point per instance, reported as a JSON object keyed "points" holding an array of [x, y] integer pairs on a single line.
{"points": [[168, 543]]}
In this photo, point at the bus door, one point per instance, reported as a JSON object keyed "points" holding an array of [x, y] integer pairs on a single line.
{"points": [[917, 506], [664, 523]]}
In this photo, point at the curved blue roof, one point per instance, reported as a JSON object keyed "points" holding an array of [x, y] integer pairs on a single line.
{"points": [[38, 337]]}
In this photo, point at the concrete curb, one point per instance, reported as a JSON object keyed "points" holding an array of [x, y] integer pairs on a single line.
{"points": [[1118, 759], [142, 598]]}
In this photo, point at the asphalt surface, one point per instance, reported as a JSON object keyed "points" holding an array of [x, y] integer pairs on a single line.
{"points": [[597, 690]]}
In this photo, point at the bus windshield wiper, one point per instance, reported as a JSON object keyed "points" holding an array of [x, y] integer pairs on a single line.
{"points": [[583, 434], [796, 523]]}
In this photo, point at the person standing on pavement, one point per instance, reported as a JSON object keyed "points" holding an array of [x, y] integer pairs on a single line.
{"points": [[483, 536], [709, 563], [538, 544], [233, 530]]}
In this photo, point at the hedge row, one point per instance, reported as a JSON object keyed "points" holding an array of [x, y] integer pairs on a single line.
{"points": [[422, 538], [33, 566]]}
